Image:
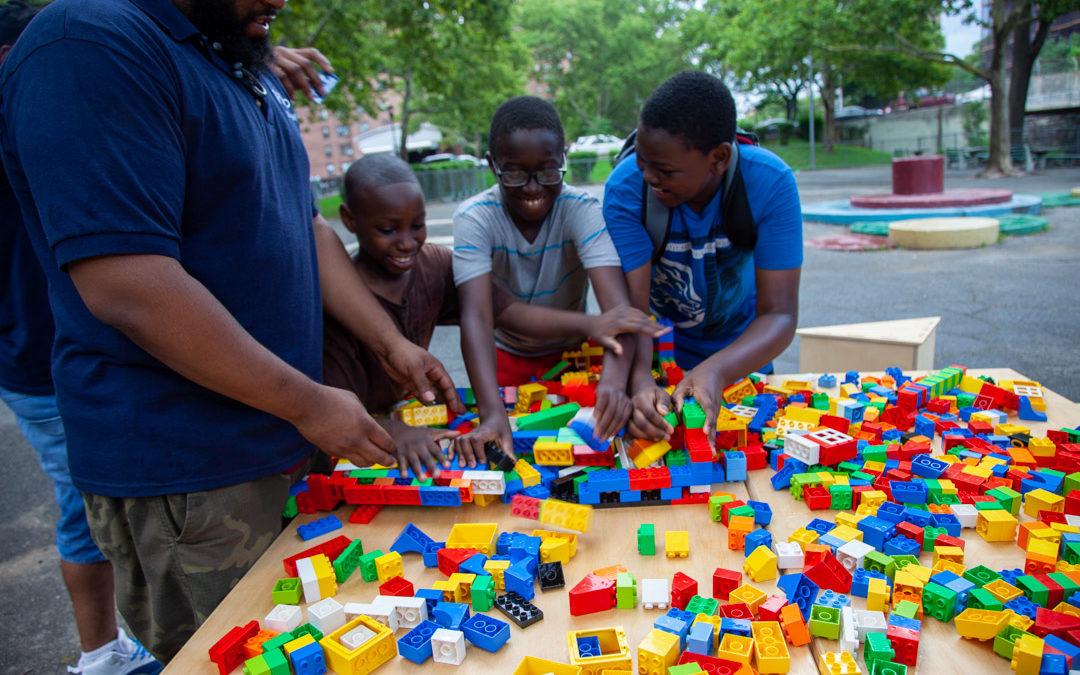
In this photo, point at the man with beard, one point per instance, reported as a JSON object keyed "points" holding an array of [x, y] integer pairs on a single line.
{"points": [[164, 186]]}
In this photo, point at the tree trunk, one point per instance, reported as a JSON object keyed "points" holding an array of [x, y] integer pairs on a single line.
{"points": [[828, 104], [1025, 50], [403, 149], [1000, 160], [791, 108]]}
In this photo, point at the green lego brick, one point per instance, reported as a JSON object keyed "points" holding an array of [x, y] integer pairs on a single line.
{"points": [[552, 418], [906, 608], [1008, 498], [278, 641], [875, 453], [287, 591], [990, 506], [1068, 586], [676, 458], [939, 602], [646, 539], [965, 400], [859, 475], [742, 511], [840, 496], [820, 401], [929, 535], [685, 669], [878, 648], [290, 510], [887, 668], [1034, 589], [980, 598], [877, 561], [945, 498], [824, 622], [693, 416], [981, 575], [482, 593], [625, 590], [672, 418], [1071, 553], [748, 401], [277, 661], [1071, 482], [903, 561], [716, 506], [367, 565], [1006, 640], [306, 629], [848, 467], [700, 605], [549, 375]]}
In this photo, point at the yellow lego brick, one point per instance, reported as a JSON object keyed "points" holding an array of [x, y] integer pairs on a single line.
{"points": [[577, 517], [324, 575], [983, 472], [549, 452], [462, 583], [777, 389], [748, 594], [1063, 566], [805, 415], [657, 652], [1003, 590], [877, 595], [996, 525], [919, 572], [377, 649], [649, 454], [528, 475], [980, 624], [849, 519], [532, 665], [1043, 500], [971, 385], [953, 553], [485, 500], [944, 565], [496, 568], [614, 650], [1019, 620], [447, 588], [425, 416], [990, 417], [803, 536], [527, 394], [570, 537], [480, 536], [676, 543], [388, 566], [874, 466], [1008, 429], [761, 564], [736, 648], [554, 550], [846, 533], [1027, 655], [1066, 608], [874, 498], [1042, 547], [848, 390], [838, 663], [302, 641], [770, 648], [1041, 447], [738, 391], [1063, 528]]}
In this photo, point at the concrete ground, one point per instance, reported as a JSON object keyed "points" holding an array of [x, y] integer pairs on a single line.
{"points": [[1006, 305]]}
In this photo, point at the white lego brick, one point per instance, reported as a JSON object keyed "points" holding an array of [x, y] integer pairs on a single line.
{"points": [[867, 621], [967, 514], [410, 611], [283, 618], [789, 555], [327, 615], [356, 637], [655, 593], [567, 470], [743, 411], [1070, 519], [380, 610], [448, 646], [309, 583], [486, 482], [851, 554], [801, 448], [698, 489], [849, 635]]}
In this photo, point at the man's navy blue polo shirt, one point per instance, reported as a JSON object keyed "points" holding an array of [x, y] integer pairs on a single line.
{"points": [[124, 133]]}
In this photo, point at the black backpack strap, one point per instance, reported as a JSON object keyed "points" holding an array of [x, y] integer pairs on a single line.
{"points": [[739, 225], [656, 218]]}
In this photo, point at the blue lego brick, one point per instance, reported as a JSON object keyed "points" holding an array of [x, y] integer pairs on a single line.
{"points": [[781, 480], [474, 565], [1051, 664], [588, 647], [918, 517], [762, 512], [537, 492], [675, 626], [860, 581], [830, 541], [904, 622], [411, 540], [718, 473], [1028, 413], [927, 467], [799, 590], [891, 435], [1021, 605], [902, 546], [1010, 576], [440, 496], [967, 411], [891, 512], [431, 597], [947, 520], [317, 528], [924, 426], [826, 381], [308, 660], [851, 377], [908, 492], [451, 614], [524, 441], [701, 473], [431, 553], [416, 644], [757, 538], [829, 598], [681, 476], [1067, 648], [670, 493], [820, 526], [520, 580], [734, 465], [700, 638], [631, 496], [735, 626], [610, 480], [1040, 479], [486, 632]]}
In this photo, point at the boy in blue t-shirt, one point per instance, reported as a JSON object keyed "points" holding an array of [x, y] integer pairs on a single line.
{"points": [[733, 309]]}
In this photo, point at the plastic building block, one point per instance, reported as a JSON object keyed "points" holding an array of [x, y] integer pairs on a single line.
{"points": [[287, 591], [683, 588], [318, 527], [599, 650], [228, 652], [646, 539], [794, 625], [761, 564], [771, 654], [736, 648], [360, 646], [306, 656], [448, 646], [654, 593], [676, 543], [518, 609], [486, 632], [327, 615], [824, 622], [625, 591], [531, 665], [658, 651], [450, 614], [592, 594], [416, 644], [789, 555], [550, 576], [838, 663], [411, 540]]}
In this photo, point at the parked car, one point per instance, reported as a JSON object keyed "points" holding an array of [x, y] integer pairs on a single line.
{"points": [[451, 157], [601, 144]]}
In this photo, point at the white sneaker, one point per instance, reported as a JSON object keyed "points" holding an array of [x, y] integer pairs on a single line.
{"points": [[126, 657]]}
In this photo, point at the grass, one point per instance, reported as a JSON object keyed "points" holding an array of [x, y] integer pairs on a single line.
{"points": [[796, 154], [328, 206]]}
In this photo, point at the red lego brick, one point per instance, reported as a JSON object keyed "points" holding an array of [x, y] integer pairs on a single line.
{"points": [[770, 609], [711, 664], [911, 531], [725, 510], [905, 642], [835, 422], [980, 427], [756, 457], [363, 494], [331, 549], [364, 513], [697, 446], [946, 540], [450, 559], [939, 406], [724, 582], [228, 652], [398, 586], [829, 574], [1052, 517], [649, 479], [1049, 622], [683, 588], [1055, 593], [692, 498], [736, 610], [592, 594], [525, 507], [1072, 503], [817, 497], [406, 495]]}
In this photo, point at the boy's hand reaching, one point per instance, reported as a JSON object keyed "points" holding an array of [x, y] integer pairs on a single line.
{"points": [[418, 448], [650, 404], [603, 329], [421, 373], [337, 423], [706, 385], [611, 411], [493, 428]]}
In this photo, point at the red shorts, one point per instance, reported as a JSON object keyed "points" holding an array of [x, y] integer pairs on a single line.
{"points": [[513, 370]]}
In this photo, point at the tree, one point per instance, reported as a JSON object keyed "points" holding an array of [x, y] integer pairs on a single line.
{"points": [[1028, 38], [447, 59], [600, 59]]}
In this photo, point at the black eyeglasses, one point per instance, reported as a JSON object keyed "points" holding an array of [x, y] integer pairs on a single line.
{"points": [[518, 178]]}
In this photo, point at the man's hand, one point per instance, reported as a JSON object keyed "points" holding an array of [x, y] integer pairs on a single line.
{"points": [[337, 423], [296, 70], [418, 448], [706, 385], [603, 329], [493, 428], [611, 411], [650, 404], [421, 374]]}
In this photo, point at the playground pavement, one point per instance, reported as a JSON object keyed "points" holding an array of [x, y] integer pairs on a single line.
{"points": [[1008, 305]]}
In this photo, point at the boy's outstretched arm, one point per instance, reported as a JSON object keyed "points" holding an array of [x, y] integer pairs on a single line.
{"points": [[764, 339], [417, 448], [548, 322], [650, 402], [478, 349], [613, 407], [347, 298]]}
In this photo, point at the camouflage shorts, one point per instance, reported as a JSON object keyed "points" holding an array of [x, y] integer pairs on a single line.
{"points": [[175, 557]]}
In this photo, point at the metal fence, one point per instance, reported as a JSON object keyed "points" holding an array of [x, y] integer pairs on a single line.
{"points": [[441, 185]]}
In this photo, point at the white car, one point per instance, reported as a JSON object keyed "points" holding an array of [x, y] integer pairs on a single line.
{"points": [[601, 144]]}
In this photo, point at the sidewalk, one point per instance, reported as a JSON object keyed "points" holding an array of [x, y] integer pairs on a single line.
{"points": [[1010, 305]]}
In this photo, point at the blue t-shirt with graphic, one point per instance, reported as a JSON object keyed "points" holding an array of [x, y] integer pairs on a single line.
{"points": [[703, 284]]}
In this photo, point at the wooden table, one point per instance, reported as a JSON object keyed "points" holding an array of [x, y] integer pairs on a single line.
{"points": [[612, 540]]}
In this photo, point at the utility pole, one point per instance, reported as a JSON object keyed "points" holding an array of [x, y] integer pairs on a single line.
{"points": [[810, 87]]}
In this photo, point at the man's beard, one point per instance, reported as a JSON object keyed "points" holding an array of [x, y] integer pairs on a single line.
{"points": [[218, 20]]}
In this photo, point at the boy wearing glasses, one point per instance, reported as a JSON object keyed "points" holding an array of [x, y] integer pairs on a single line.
{"points": [[542, 242]]}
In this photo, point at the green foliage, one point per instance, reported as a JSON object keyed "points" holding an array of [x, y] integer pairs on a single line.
{"points": [[600, 59], [581, 165], [976, 113], [797, 155], [446, 164]]}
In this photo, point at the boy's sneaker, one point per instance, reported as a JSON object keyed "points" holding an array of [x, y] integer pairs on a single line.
{"points": [[124, 656]]}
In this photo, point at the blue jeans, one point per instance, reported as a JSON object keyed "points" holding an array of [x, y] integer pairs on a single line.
{"points": [[39, 420]]}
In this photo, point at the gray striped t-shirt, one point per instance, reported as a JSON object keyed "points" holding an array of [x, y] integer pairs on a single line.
{"points": [[550, 271]]}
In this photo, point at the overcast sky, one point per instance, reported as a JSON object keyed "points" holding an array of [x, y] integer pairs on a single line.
{"points": [[959, 37]]}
